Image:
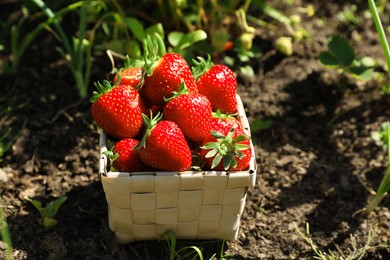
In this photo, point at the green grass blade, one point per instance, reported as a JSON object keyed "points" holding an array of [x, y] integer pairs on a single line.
{"points": [[5, 234], [381, 32], [271, 12], [384, 186], [49, 13]]}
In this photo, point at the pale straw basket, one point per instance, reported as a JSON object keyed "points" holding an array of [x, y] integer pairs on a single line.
{"points": [[196, 205]]}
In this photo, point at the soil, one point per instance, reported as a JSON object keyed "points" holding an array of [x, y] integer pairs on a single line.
{"points": [[317, 163]]}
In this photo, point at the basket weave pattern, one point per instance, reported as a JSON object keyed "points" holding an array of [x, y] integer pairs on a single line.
{"points": [[196, 205]]}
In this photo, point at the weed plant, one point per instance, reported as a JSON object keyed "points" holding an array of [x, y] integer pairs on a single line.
{"points": [[76, 51], [355, 252], [5, 234], [49, 211]]}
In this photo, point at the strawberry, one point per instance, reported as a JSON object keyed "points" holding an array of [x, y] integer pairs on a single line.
{"points": [[164, 75], [125, 158], [218, 83], [192, 112], [117, 109], [224, 122], [132, 76], [230, 152], [164, 146]]}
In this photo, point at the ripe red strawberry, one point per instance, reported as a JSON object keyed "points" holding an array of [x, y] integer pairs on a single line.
{"points": [[192, 112], [117, 109], [230, 152], [127, 158], [164, 77], [218, 83], [132, 76], [164, 146], [224, 122]]}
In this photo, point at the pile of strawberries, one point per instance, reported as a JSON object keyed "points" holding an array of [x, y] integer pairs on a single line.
{"points": [[165, 116]]}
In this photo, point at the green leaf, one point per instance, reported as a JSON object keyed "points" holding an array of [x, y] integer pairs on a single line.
{"points": [[247, 70], [217, 159], [210, 145], [259, 124], [174, 38], [241, 147], [240, 155], [217, 135], [362, 72], [211, 153], [49, 222], [189, 39], [227, 161], [240, 138], [328, 59], [52, 207], [155, 28], [136, 27], [37, 204], [342, 50]]}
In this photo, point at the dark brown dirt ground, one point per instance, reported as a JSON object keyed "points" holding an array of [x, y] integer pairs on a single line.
{"points": [[317, 163]]}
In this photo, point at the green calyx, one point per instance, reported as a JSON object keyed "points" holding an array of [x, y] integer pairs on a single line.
{"points": [[226, 148], [154, 49], [219, 114], [150, 123], [101, 90], [201, 66], [111, 156], [181, 91]]}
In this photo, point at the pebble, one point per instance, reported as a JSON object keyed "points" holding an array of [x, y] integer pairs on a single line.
{"points": [[3, 176], [3, 245]]}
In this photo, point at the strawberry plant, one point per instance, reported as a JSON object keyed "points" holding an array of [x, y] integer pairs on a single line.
{"points": [[341, 55], [348, 16], [292, 24], [179, 42]]}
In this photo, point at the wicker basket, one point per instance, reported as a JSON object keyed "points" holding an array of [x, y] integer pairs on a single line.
{"points": [[195, 205]]}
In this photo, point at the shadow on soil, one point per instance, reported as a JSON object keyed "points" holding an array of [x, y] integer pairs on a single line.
{"points": [[331, 181]]}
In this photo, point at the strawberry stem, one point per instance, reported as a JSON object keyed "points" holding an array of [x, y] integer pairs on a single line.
{"points": [[201, 66], [181, 91], [219, 114], [154, 49], [150, 123], [101, 90]]}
